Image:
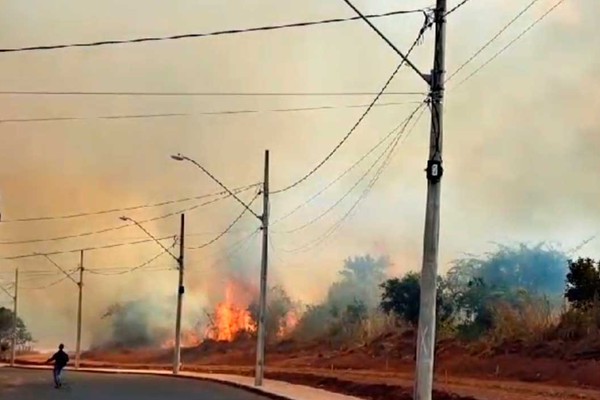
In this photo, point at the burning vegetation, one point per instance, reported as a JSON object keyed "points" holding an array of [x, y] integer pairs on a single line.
{"points": [[231, 316]]}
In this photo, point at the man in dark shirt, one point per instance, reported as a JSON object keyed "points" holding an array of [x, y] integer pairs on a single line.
{"points": [[61, 359]]}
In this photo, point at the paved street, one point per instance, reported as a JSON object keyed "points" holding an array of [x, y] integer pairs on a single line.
{"points": [[36, 385]]}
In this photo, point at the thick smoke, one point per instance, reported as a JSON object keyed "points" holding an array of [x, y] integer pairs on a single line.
{"points": [[512, 133]]}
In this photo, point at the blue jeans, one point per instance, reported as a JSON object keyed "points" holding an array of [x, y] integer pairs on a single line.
{"points": [[56, 372]]}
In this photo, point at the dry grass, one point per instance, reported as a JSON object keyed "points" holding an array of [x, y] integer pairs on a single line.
{"points": [[530, 321]]}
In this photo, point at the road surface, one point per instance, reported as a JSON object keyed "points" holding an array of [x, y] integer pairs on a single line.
{"points": [[19, 384]]}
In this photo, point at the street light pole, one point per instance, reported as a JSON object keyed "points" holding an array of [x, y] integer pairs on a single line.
{"points": [[13, 345], [264, 219], [261, 337], [180, 287], [180, 292], [79, 312]]}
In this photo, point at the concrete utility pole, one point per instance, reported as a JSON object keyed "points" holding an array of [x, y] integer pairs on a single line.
{"points": [[264, 218], [180, 292], [79, 312], [13, 344], [260, 344], [427, 311]]}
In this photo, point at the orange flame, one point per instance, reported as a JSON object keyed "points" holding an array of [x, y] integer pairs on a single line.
{"points": [[231, 319], [289, 324]]}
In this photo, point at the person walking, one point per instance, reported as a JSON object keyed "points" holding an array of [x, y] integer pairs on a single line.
{"points": [[61, 359]]}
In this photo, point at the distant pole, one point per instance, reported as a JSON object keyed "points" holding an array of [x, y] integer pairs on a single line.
{"points": [[180, 292], [260, 344], [79, 312], [427, 310], [13, 345]]}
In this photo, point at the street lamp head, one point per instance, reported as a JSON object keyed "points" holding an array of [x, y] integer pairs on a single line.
{"points": [[178, 157], [124, 218]]}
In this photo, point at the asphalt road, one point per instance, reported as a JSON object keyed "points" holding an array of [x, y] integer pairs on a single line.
{"points": [[20, 384]]}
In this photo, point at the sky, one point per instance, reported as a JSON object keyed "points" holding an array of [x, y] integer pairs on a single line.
{"points": [[519, 150]]}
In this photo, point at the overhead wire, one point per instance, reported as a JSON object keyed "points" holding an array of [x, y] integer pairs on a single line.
{"points": [[350, 190], [512, 42], [140, 266], [456, 8], [180, 115], [200, 35], [228, 228], [492, 40], [361, 118], [122, 209], [320, 239], [235, 247], [339, 177], [113, 228], [199, 94], [54, 283]]}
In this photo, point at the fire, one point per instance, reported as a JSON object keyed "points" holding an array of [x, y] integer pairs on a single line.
{"points": [[230, 318], [289, 324]]}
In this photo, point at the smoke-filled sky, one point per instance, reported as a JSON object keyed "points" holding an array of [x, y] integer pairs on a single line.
{"points": [[521, 141]]}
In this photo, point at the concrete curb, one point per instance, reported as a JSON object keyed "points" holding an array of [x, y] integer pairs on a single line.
{"points": [[276, 390]]}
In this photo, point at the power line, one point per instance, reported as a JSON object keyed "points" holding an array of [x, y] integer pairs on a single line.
{"points": [[339, 177], [180, 115], [112, 228], [459, 5], [71, 272], [493, 39], [354, 186], [315, 242], [228, 228], [115, 210], [501, 51], [203, 94], [361, 118], [68, 251], [201, 35], [235, 247], [142, 265]]}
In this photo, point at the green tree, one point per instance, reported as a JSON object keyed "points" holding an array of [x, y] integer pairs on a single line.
{"points": [[583, 282], [6, 326], [401, 297]]}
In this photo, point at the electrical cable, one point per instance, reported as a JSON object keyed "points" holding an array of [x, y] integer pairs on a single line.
{"points": [[361, 118], [51, 284], [113, 228], [501, 51], [200, 94], [228, 228], [142, 265], [339, 177], [455, 8], [180, 115], [201, 35], [493, 39], [131, 208], [320, 239], [348, 192]]}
